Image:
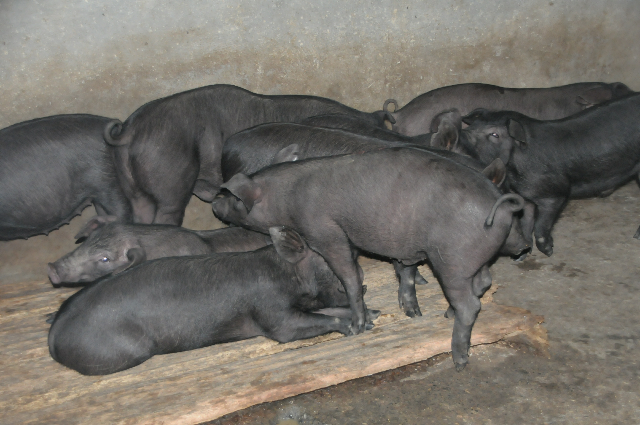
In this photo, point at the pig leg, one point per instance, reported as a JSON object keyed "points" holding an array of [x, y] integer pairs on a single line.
{"points": [[301, 325], [144, 209], [481, 283], [340, 258], [407, 290], [346, 314], [548, 211], [527, 221], [165, 179], [209, 156], [420, 280], [466, 306]]}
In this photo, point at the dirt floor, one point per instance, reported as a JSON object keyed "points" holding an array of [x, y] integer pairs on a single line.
{"points": [[588, 292]]}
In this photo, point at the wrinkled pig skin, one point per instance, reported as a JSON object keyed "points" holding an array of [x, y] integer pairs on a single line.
{"points": [[284, 292], [403, 204], [51, 169], [110, 248], [540, 103], [588, 154], [171, 147]]}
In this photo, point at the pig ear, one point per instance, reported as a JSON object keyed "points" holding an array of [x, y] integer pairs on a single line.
{"points": [[245, 189], [496, 172], [289, 244], [474, 115], [447, 131], [452, 116], [289, 154], [594, 96], [516, 130], [135, 255], [94, 224]]}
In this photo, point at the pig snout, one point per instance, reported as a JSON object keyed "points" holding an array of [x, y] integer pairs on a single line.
{"points": [[53, 275]]}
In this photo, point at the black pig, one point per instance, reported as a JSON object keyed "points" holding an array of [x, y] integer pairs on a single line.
{"points": [[399, 203], [588, 154], [171, 147], [51, 169], [111, 248], [541, 103], [183, 303]]}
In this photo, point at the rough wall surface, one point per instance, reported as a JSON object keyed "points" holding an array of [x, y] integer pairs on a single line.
{"points": [[109, 57]]}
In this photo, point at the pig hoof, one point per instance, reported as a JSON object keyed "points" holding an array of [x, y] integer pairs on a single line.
{"points": [[373, 315], [368, 326], [460, 366], [420, 280], [545, 246], [450, 313], [637, 235], [413, 312]]}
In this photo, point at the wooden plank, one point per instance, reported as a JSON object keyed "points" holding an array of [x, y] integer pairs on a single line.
{"points": [[200, 385]]}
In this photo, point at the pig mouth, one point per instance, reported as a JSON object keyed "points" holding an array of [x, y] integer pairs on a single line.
{"points": [[53, 275]]}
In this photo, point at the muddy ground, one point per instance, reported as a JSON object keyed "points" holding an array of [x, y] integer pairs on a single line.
{"points": [[588, 292]]}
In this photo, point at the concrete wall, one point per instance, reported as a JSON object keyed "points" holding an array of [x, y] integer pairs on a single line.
{"points": [[109, 57]]}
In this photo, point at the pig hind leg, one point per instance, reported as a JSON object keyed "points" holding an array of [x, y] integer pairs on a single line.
{"points": [[103, 352], [481, 283]]}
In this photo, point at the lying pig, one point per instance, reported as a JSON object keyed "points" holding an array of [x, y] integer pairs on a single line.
{"points": [[549, 162], [110, 248], [541, 103], [51, 169], [284, 292], [399, 203], [171, 147]]}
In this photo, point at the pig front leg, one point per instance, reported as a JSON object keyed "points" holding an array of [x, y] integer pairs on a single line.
{"points": [[548, 211], [346, 314], [407, 298], [341, 259], [301, 325]]}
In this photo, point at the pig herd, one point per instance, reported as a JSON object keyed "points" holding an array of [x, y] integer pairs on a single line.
{"points": [[464, 174]]}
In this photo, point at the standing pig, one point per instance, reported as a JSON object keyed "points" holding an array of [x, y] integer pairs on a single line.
{"points": [[171, 147], [399, 203], [51, 169], [183, 303], [549, 162], [541, 103], [111, 248]]}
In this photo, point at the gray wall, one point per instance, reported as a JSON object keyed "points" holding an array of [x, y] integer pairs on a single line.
{"points": [[109, 57]]}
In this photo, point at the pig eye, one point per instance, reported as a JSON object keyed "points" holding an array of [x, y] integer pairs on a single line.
{"points": [[494, 135], [104, 260]]}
